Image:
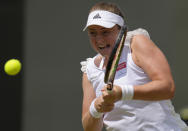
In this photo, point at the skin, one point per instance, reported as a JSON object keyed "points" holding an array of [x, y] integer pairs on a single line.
{"points": [[145, 54], [103, 39]]}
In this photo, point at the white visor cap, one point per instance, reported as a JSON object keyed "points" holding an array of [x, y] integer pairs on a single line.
{"points": [[104, 18]]}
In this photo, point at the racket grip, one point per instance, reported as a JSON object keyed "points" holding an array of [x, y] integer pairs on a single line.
{"points": [[110, 87]]}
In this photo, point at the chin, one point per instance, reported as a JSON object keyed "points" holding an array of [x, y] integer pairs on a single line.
{"points": [[105, 54]]}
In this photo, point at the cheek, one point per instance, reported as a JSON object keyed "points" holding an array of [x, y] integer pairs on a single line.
{"points": [[111, 40], [93, 44]]}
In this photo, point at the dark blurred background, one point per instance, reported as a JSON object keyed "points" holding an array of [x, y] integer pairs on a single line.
{"points": [[46, 36], [11, 46]]}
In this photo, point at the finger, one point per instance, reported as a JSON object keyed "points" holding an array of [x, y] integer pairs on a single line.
{"points": [[104, 88], [106, 95], [108, 108], [105, 108], [104, 91]]}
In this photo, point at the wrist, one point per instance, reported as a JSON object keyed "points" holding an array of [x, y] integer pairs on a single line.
{"points": [[127, 92], [93, 111], [118, 92]]}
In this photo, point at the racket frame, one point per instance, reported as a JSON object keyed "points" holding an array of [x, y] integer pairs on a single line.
{"points": [[114, 58]]}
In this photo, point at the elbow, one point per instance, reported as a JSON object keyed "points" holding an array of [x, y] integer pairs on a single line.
{"points": [[85, 125], [171, 89]]}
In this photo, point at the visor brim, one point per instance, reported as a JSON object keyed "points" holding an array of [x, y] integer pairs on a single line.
{"points": [[99, 23]]}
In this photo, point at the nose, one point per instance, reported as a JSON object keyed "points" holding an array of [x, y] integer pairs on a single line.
{"points": [[99, 39]]}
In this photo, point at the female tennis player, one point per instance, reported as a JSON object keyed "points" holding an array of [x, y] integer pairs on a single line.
{"points": [[143, 85]]}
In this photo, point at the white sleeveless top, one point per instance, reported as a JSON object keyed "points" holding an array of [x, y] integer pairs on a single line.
{"points": [[133, 115]]}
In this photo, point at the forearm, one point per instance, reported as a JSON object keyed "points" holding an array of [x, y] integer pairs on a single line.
{"points": [[90, 123], [154, 90]]}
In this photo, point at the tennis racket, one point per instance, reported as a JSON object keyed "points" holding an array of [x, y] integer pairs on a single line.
{"points": [[114, 58]]}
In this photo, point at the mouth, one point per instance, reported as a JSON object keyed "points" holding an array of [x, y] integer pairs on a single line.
{"points": [[102, 47]]}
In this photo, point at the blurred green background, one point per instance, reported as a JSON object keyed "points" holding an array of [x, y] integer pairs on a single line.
{"points": [[47, 37]]}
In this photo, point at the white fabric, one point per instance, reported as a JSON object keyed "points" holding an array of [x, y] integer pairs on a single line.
{"points": [[93, 110], [134, 115], [84, 64], [127, 92], [104, 18]]}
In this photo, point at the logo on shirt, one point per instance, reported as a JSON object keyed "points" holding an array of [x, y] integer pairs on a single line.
{"points": [[121, 66], [97, 16]]}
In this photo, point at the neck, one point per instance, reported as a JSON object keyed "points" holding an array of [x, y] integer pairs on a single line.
{"points": [[105, 61]]}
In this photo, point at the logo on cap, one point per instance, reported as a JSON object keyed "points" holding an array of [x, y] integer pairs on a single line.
{"points": [[97, 16]]}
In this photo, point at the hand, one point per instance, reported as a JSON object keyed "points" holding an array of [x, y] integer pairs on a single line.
{"points": [[105, 103]]}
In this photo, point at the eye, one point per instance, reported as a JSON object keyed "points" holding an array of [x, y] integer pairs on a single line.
{"points": [[92, 33], [105, 33]]}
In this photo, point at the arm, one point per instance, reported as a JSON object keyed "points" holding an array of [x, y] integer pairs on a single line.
{"points": [[89, 123], [149, 57]]}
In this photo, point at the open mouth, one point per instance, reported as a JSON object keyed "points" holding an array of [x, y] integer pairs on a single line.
{"points": [[102, 47]]}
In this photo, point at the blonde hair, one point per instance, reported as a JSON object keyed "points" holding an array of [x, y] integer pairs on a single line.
{"points": [[111, 7]]}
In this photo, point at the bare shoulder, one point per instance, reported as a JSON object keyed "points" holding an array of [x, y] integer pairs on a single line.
{"points": [[149, 57], [144, 46], [141, 46], [141, 41]]}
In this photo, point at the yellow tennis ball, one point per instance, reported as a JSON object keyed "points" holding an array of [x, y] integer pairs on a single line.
{"points": [[12, 67]]}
